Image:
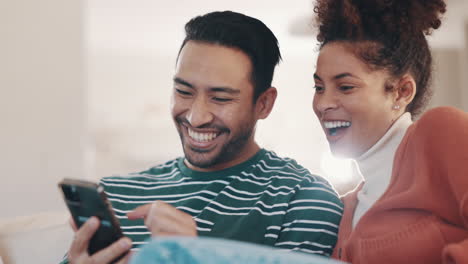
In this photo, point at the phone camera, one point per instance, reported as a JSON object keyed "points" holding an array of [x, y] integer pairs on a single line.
{"points": [[70, 193]]}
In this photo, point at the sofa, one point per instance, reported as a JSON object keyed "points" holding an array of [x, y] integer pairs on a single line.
{"points": [[39, 238]]}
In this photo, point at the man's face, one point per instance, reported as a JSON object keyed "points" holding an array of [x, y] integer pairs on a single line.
{"points": [[212, 105]]}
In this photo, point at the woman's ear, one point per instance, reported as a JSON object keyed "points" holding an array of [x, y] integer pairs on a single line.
{"points": [[405, 91], [265, 103]]}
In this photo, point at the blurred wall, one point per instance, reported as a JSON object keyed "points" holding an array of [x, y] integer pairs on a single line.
{"points": [[42, 102]]}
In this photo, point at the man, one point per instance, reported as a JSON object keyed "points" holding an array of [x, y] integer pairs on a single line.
{"points": [[226, 185]]}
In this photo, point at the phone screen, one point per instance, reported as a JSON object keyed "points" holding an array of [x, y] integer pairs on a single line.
{"points": [[86, 199]]}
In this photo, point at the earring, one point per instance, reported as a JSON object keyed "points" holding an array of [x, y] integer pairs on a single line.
{"points": [[396, 107]]}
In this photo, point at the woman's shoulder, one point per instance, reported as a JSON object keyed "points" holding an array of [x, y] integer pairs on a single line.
{"points": [[442, 117], [441, 123], [441, 133]]}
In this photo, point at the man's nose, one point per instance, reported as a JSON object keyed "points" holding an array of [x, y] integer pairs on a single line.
{"points": [[199, 113]]}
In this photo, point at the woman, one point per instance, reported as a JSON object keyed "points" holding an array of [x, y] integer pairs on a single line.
{"points": [[372, 79]]}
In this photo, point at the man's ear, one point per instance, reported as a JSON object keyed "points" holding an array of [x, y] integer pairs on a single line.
{"points": [[405, 92], [265, 103]]}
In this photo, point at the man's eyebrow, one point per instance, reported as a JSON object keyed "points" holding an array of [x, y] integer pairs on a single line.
{"points": [[225, 90], [182, 82], [317, 77]]}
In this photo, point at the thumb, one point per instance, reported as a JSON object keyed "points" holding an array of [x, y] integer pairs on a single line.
{"points": [[139, 212]]}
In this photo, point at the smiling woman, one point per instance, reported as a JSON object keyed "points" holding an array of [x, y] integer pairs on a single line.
{"points": [[350, 101], [372, 78]]}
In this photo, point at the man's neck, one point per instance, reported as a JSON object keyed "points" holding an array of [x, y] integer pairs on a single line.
{"points": [[246, 154]]}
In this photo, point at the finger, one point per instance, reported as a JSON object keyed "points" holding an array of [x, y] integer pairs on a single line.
{"points": [[176, 228], [165, 210], [83, 235], [113, 251], [72, 224], [165, 218], [161, 208], [164, 226], [139, 212]]}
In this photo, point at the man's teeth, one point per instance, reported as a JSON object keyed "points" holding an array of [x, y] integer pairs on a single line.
{"points": [[336, 124], [202, 137]]}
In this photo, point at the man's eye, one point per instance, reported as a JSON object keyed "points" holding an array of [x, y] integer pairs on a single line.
{"points": [[222, 100], [182, 92]]}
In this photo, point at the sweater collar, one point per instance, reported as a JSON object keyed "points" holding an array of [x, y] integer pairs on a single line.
{"points": [[375, 165]]}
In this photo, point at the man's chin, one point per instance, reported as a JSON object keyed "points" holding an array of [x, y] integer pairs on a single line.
{"points": [[201, 158], [201, 163]]}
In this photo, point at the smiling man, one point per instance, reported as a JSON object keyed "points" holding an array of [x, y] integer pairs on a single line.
{"points": [[226, 185]]}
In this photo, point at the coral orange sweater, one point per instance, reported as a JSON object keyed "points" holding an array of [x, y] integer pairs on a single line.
{"points": [[422, 217]]}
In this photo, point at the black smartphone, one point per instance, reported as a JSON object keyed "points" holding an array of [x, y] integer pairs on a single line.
{"points": [[85, 199]]}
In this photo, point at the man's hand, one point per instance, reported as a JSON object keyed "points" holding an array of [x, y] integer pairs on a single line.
{"points": [[78, 252], [163, 219]]}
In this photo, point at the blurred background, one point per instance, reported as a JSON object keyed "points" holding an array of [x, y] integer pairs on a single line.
{"points": [[85, 89]]}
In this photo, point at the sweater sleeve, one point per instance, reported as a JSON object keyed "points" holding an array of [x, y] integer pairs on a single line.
{"points": [[312, 218], [457, 253], [445, 132]]}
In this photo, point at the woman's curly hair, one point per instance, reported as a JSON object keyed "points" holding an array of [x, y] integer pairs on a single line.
{"points": [[390, 35]]}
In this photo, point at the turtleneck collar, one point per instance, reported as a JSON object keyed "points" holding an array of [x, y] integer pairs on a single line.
{"points": [[375, 165]]}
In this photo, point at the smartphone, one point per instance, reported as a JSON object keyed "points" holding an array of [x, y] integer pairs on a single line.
{"points": [[85, 199]]}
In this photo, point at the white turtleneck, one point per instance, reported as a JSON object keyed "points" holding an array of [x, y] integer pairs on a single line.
{"points": [[375, 166]]}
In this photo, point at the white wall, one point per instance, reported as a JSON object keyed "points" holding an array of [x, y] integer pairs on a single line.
{"points": [[42, 102]]}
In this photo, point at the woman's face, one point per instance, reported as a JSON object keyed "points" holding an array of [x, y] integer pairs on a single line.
{"points": [[350, 101]]}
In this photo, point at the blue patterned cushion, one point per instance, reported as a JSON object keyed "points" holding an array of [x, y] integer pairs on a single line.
{"points": [[204, 250]]}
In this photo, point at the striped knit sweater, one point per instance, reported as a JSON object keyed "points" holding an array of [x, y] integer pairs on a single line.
{"points": [[266, 200]]}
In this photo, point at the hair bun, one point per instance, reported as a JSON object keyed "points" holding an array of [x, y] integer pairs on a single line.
{"points": [[374, 19], [414, 15]]}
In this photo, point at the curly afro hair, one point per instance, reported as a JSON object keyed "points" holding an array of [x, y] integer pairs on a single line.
{"points": [[390, 35]]}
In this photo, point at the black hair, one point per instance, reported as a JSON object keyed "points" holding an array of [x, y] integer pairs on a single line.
{"points": [[390, 35], [242, 32]]}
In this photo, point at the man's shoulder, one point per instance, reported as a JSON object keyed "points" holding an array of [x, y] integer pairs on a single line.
{"points": [[288, 167], [157, 172]]}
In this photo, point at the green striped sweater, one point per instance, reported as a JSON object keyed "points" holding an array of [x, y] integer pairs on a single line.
{"points": [[266, 200]]}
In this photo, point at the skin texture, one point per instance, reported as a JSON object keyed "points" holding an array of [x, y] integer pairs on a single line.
{"points": [[213, 94], [348, 90]]}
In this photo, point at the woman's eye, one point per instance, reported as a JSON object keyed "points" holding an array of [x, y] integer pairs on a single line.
{"points": [[346, 87], [318, 89], [182, 92]]}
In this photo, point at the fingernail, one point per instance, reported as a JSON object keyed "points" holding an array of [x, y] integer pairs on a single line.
{"points": [[125, 243], [93, 221]]}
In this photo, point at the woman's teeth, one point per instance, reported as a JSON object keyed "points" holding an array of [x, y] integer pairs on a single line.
{"points": [[333, 126], [336, 124], [201, 137]]}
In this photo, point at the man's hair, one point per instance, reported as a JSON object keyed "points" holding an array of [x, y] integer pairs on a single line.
{"points": [[242, 32]]}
